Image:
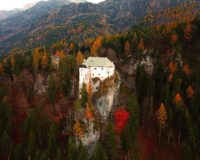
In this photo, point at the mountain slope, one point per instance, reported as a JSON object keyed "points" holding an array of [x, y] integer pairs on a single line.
{"points": [[50, 21]]}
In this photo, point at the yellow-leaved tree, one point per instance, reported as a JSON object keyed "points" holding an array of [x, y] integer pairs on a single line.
{"points": [[36, 58], [79, 58], [78, 131], [44, 61], [97, 44], [161, 115]]}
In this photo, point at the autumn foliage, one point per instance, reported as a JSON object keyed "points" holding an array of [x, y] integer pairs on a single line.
{"points": [[121, 118], [88, 113], [161, 115], [190, 92], [172, 67], [78, 131], [79, 58], [186, 69], [96, 46], [177, 98], [141, 44]]}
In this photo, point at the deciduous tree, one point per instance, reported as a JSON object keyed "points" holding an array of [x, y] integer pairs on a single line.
{"points": [[78, 131], [121, 118], [141, 44], [161, 115]]}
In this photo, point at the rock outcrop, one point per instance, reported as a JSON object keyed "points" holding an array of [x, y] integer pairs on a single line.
{"points": [[105, 93]]}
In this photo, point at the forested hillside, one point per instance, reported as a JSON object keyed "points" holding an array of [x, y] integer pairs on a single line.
{"points": [[50, 21], [155, 116]]}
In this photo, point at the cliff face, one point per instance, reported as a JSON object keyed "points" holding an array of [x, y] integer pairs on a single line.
{"points": [[104, 99]]}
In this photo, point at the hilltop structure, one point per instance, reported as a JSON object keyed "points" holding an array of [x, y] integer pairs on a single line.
{"points": [[95, 67]]}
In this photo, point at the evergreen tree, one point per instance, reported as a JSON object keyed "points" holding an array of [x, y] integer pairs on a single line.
{"points": [[110, 143], [98, 153], [52, 90]]}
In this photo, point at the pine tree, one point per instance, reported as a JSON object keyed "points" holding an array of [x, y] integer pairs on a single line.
{"points": [[52, 140], [99, 153], [161, 115], [84, 95], [52, 90], [72, 151], [59, 155], [31, 146], [110, 142], [82, 152]]}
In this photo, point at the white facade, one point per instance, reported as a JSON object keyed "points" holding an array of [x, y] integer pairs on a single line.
{"points": [[95, 67]]}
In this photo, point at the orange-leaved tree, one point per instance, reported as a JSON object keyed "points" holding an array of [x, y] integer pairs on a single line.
{"points": [[161, 115], [188, 32], [79, 58], [141, 44], [88, 113], [71, 46], [127, 47], [190, 92], [97, 44], [186, 69], [78, 131], [178, 99], [172, 67]]}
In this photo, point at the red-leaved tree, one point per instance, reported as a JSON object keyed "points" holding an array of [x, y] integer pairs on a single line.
{"points": [[121, 118]]}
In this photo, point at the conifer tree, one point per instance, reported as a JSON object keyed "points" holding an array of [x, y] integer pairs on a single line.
{"points": [[110, 142], [161, 115], [99, 153], [52, 90]]}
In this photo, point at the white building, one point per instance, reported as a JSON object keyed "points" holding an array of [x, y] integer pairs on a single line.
{"points": [[95, 67]]}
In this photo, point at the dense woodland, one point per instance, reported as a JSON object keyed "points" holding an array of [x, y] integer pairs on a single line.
{"points": [[156, 118]]}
